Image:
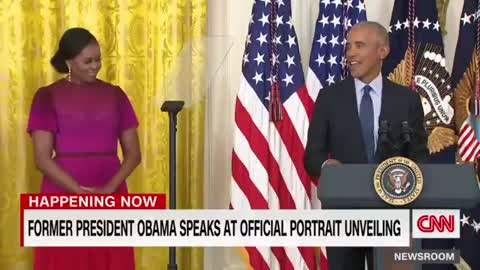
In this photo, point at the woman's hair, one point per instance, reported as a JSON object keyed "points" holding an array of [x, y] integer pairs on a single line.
{"points": [[73, 41]]}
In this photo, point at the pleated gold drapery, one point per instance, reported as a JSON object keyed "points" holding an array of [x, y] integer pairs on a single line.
{"points": [[155, 50]]}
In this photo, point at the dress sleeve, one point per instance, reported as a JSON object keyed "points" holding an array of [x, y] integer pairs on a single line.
{"points": [[42, 112], [127, 116]]}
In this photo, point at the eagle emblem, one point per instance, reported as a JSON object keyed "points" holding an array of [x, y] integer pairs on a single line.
{"points": [[398, 179]]}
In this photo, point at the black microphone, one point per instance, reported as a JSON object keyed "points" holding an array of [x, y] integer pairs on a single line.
{"points": [[385, 145], [406, 132], [383, 130]]}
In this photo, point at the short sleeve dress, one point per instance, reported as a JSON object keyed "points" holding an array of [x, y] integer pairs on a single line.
{"points": [[86, 121]]}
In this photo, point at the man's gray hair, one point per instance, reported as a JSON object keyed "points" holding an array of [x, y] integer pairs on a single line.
{"points": [[381, 31]]}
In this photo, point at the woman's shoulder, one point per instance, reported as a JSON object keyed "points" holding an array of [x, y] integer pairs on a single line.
{"points": [[57, 85], [63, 85], [111, 89], [53, 85], [47, 89], [107, 85]]}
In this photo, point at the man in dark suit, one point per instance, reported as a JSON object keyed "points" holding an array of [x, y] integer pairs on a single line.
{"points": [[345, 122]]}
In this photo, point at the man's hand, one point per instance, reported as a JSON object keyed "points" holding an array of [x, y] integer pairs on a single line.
{"points": [[332, 162]]}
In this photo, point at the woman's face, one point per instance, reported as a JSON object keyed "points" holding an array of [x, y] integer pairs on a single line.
{"points": [[86, 64]]}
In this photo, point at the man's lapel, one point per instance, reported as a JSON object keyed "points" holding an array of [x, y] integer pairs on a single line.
{"points": [[351, 110], [388, 102]]}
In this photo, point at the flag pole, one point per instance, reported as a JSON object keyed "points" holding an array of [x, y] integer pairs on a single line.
{"points": [[172, 107]]}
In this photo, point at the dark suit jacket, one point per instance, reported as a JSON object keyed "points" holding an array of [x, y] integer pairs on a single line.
{"points": [[335, 126]]}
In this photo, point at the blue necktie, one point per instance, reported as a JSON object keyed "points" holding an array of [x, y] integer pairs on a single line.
{"points": [[366, 120]]}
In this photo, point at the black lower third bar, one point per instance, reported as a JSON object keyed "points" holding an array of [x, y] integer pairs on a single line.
{"points": [[431, 256]]}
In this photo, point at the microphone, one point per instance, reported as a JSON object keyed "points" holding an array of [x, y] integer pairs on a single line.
{"points": [[383, 130], [406, 132], [385, 145]]}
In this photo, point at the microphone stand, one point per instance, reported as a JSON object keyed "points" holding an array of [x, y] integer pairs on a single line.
{"points": [[406, 133], [172, 107], [389, 148], [386, 146]]}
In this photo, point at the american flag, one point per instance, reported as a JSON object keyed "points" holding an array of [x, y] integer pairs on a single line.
{"points": [[468, 137], [272, 114], [465, 76], [327, 57], [417, 59], [327, 61]]}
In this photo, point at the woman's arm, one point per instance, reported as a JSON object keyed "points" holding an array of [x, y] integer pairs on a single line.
{"points": [[43, 147], [131, 159]]}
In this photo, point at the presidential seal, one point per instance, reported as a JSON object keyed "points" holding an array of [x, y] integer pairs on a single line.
{"points": [[398, 181]]}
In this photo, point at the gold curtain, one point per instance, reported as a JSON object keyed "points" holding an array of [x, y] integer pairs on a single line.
{"points": [[155, 50]]}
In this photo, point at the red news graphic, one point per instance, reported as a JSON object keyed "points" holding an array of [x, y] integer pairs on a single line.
{"points": [[57, 202], [430, 223], [93, 201], [435, 223]]}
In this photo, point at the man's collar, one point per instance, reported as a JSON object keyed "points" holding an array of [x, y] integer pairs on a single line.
{"points": [[376, 84]]}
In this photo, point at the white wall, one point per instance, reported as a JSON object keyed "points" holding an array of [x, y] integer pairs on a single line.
{"points": [[227, 28]]}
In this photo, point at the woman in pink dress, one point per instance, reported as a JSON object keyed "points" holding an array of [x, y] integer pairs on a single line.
{"points": [[75, 124]]}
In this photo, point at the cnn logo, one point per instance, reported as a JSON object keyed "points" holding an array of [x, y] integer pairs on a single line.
{"points": [[435, 223]]}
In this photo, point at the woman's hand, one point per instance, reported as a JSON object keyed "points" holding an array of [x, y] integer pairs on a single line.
{"points": [[80, 190], [98, 190]]}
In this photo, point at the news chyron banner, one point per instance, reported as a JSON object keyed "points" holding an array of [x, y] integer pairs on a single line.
{"points": [[143, 220]]}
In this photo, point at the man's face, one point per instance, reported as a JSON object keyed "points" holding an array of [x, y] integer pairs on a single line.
{"points": [[365, 53]]}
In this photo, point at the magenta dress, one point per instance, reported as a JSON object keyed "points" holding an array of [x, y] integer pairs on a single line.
{"points": [[86, 121]]}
